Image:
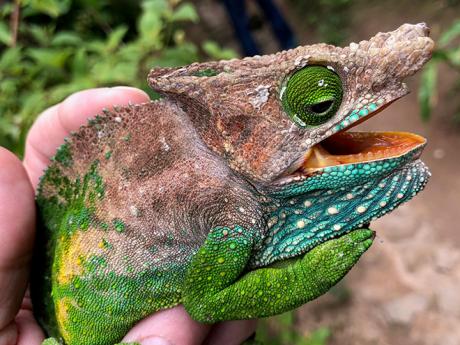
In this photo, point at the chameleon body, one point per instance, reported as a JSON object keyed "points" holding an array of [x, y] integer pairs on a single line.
{"points": [[238, 194]]}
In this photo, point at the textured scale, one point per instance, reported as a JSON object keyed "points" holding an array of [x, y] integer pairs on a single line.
{"points": [[189, 199]]}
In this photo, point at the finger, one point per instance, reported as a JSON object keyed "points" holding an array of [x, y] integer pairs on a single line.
{"points": [[168, 327], [231, 332], [56, 123], [9, 334], [17, 221], [29, 331]]}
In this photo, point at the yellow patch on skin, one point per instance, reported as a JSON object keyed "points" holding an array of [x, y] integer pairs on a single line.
{"points": [[62, 315], [73, 253]]}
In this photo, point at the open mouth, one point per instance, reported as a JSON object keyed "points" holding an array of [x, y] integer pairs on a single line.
{"points": [[357, 147], [346, 147]]}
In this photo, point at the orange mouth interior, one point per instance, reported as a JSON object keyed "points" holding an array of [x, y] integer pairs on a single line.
{"points": [[359, 147]]}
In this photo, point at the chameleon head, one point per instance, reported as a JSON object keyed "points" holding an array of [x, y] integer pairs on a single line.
{"points": [[281, 121]]}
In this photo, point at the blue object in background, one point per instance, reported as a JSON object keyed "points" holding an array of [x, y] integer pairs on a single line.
{"points": [[236, 10]]}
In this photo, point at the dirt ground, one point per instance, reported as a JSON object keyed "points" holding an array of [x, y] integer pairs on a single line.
{"points": [[406, 289]]}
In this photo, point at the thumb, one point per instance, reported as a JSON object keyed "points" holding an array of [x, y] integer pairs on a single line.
{"points": [[17, 219], [168, 327]]}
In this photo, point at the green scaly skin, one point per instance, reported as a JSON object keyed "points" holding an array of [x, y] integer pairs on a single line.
{"points": [[217, 196]]}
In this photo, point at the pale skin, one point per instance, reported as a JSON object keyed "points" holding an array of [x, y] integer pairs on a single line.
{"points": [[17, 226]]}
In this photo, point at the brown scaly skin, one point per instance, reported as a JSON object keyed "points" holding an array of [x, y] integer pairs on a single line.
{"points": [[141, 203], [256, 137]]}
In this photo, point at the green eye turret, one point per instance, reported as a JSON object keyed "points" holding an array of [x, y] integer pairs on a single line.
{"points": [[312, 95]]}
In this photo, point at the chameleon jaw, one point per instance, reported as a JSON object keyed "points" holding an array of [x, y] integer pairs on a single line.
{"points": [[348, 148], [358, 147]]}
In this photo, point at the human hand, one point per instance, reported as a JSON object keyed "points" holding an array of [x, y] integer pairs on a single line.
{"points": [[17, 226]]}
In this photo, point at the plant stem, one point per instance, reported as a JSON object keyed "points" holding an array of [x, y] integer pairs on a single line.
{"points": [[14, 22]]}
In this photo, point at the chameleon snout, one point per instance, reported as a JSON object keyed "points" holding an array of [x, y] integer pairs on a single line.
{"points": [[401, 53]]}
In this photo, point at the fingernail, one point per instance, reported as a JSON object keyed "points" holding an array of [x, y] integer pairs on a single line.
{"points": [[155, 341]]}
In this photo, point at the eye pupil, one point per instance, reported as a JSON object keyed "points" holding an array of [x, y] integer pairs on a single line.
{"points": [[321, 107]]}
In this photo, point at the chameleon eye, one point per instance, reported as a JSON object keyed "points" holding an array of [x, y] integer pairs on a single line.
{"points": [[312, 95]]}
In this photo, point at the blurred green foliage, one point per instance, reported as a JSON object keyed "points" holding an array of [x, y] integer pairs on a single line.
{"points": [[286, 334], [328, 18], [447, 52], [63, 46]]}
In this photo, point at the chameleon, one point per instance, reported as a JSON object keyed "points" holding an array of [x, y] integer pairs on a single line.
{"points": [[241, 193]]}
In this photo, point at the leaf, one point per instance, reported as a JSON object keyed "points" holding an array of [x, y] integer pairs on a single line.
{"points": [[176, 56], [97, 5], [10, 58], [8, 87], [6, 9], [66, 38], [53, 8], [450, 34], [454, 56], [8, 128], [80, 63], [185, 12], [150, 24], [111, 73], [32, 104], [96, 46], [427, 90], [41, 34], [159, 6], [5, 34], [440, 54], [214, 51], [116, 37], [49, 57]]}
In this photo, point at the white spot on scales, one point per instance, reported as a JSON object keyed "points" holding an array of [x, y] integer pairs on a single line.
{"points": [[332, 210], [164, 145], [300, 224], [361, 209], [261, 96]]}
